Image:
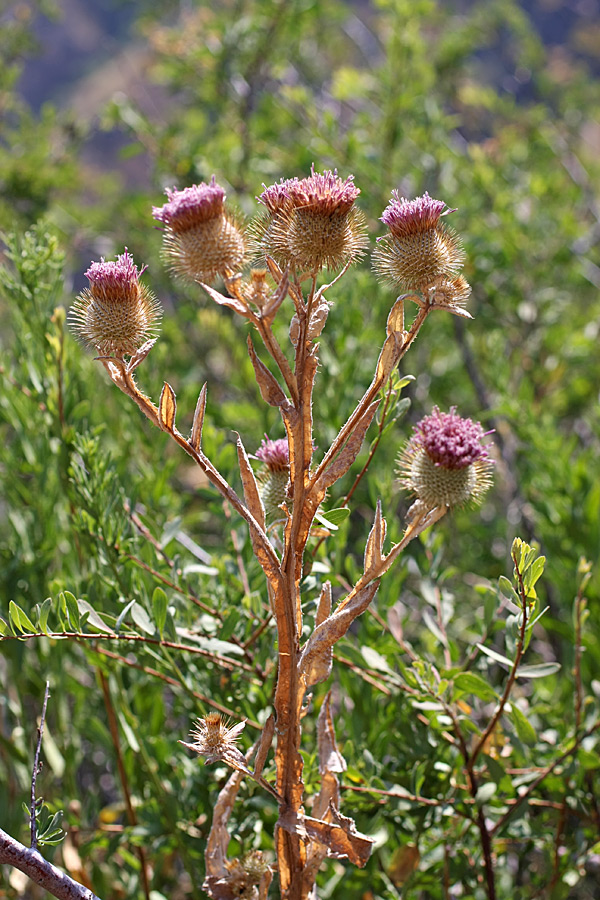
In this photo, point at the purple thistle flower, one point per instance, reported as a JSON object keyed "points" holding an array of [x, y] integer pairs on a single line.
{"points": [[449, 440], [114, 277], [274, 454], [445, 463], [192, 205], [404, 217]]}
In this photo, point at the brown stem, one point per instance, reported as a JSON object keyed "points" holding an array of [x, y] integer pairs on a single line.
{"points": [[131, 815]]}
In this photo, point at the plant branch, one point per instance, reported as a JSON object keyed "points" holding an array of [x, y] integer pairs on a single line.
{"points": [[49, 877], [37, 767]]}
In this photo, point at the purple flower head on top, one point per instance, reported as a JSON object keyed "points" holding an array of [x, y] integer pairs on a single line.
{"points": [[449, 440], [405, 217], [190, 206]]}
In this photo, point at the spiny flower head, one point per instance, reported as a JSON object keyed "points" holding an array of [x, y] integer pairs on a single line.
{"points": [[275, 476], [419, 248], [311, 222], [214, 738], [445, 462], [116, 314], [201, 238]]}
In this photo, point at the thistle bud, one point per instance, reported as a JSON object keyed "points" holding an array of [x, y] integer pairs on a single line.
{"points": [[419, 251], [311, 222], [275, 476], [445, 463], [116, 314], [201, 239]]}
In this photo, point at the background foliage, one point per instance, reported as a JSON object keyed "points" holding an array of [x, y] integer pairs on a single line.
{"points": [[462, 101]]}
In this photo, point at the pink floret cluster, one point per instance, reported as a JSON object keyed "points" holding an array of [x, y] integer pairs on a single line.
{"points": [[412, 216], [119, 273], [325, 191], [200, 200], [449, 440], [275, 454]]}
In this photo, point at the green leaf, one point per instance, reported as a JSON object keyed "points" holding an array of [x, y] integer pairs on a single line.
{"points": [[72, 609], [159, 609], [471, 683], [93, 618], [44, 613], [524, 728], [142, 619], [20, 619], [507, 590], [374, 659], [497, 657], [229, 625], [122, 615], [538, 671], [332, 518], [485, 792], [536, 570]]}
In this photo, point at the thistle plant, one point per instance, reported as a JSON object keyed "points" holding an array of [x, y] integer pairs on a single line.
{"points": [[310, 225]]}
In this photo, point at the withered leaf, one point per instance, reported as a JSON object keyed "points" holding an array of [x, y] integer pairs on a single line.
{"points": [[251, 493], [350, 450], [196, 436], [341, 838], [321, 666], [389, 356], [274, 269], [266, 740], [231, 302], [140, 354], [335, 627], [167, 407], [330, 758], [395, 320], [404, 862], [277, 298], [269, 387], [374, 546]]}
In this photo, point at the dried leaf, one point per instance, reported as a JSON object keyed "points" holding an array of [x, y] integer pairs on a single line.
{"points": [[335, 627], [341, 838], [321, 666], [374, 547], [270, 389], [266, 740], [274, 269], [167, 407], [395, 320], [198, 422], [349, 452], [404, 862], [318, 319], [389, 356], [251, 492], [140, 355], [330, 759], [234, 304], [277, 298], [295, 330]]}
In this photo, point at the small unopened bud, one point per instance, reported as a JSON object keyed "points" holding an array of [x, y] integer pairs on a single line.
{"points": [[201, 238], [116, 314], [445, 463], [311, 222], [419, 250]]}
